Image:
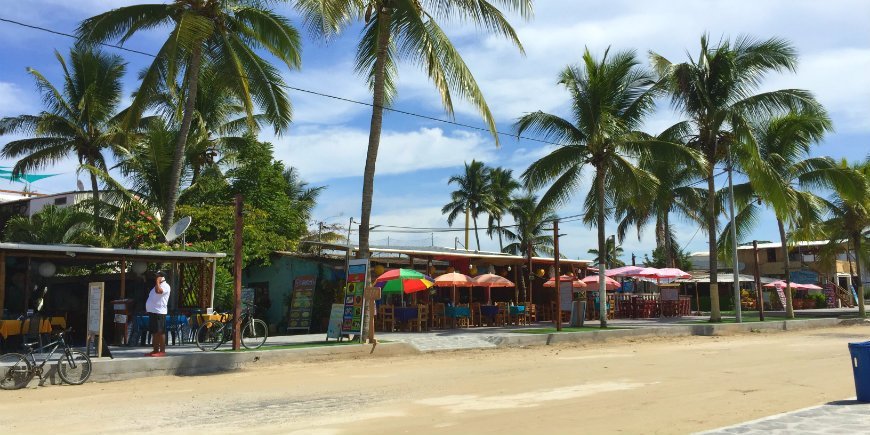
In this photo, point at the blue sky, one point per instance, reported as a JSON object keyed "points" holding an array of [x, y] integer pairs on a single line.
{"points": [[328, 139]]}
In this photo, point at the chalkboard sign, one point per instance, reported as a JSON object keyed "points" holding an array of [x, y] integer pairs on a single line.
{"points": [[830, 295], [781, 294], [96, 292], [333, 330]]}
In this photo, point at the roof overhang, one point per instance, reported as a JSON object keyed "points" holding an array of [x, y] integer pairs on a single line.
{"points": [[110, 254]]}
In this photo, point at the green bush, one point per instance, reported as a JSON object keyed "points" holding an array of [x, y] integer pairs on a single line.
{"points": [[821, 300]]}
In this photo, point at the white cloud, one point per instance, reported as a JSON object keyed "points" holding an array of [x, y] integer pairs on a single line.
{"points": [[336, 152], [338, 80], [13, 100]]}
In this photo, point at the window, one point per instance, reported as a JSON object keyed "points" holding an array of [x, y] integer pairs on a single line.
{"points": [[771, 254], [60, 201]]}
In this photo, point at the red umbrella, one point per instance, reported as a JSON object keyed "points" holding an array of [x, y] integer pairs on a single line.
{"points": [[609, 283], [576, 283], [490, 280]]}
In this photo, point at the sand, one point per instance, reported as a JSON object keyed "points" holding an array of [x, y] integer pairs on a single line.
{"points": [[668, 385]]}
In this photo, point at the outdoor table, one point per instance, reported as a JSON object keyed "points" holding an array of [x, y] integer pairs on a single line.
{"points": [[456, 313], [13, 327], [516, 311], [489, 312], [404, 315]]}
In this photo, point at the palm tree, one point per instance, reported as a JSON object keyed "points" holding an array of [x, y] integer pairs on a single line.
{"points": [[717, 92], [409, 29], [501, 190], [675, 194], [612, 254], [224, 34], [472, 196], [79, 118], [303, 196], [849, 218], [148, 166], [609, 99], [530, 235], [52, 225]]}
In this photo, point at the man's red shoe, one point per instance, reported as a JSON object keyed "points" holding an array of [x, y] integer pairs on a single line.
{"points": [[159, 354], [150, 353]]}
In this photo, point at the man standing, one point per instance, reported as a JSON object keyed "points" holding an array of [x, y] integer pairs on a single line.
{"points": [[157, 307]]}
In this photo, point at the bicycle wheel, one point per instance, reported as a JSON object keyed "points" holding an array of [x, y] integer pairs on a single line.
{"points": [[210, 335], [74, 368], [254, 334], [15, 371]]}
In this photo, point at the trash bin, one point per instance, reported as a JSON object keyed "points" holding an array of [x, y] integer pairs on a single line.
{"points": [[861, 369]]}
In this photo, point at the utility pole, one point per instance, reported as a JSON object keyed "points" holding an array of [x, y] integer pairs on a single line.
{"points": [[758, 291], [319, 238], [466, 229], [531, 273], [558, 317], [237, 271], [737, 308], [347, 254], [632, 259]]}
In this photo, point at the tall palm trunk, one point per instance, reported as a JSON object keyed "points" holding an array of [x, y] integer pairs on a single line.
{"points": [[671, 256], [789, 307], [181, 141], [500, 245], [602, 248], [95, 189], [476, 234], [715, 314], [383, 17], [856, 242]]}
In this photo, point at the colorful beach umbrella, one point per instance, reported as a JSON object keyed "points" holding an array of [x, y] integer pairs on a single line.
{"points": [[576, 283], [609, 283], [403, 281]]}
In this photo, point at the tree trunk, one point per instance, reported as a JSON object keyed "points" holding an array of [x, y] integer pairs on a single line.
{"points": [[383, 17], [602, 247], [500, 245], [181, 140], [95, 188], [476, 234], [715, 314], [856, 242], [789, 306], [671, 256]]}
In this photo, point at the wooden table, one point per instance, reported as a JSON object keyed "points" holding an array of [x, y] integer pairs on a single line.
{"points": [[13, 327]]}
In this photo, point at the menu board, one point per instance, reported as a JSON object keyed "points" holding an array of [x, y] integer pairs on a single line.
{"points": [[96, 292], [301, 302], [335, 319], [357, 273], [830, 295], [566, 294], [781, 294]]}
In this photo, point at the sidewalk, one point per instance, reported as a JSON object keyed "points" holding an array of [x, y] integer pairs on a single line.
{"points": [[840, 417]]}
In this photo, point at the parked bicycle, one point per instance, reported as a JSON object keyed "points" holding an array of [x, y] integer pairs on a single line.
{"points": [[16, 370], [214, 333]]}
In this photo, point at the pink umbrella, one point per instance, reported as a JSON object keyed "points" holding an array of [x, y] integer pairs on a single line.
{"points": [[780, 283], [490, 280], [809, 286], [665, 273], [623, 271], [576, 283], [609, 283]]}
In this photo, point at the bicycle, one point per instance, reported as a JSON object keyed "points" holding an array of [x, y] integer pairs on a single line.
{"points": [[16, 370], [210, 335]]}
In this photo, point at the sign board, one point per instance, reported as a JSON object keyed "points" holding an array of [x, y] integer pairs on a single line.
{"points": [[670, 294], [781, 293], [333, 330], [96, 293], [352, 317], [121, 318], [372, 294], [566, 294], [804, 276], [301, 302], [830, 295]]}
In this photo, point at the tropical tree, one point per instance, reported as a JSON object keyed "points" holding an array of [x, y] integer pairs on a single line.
{"points": [[501, 191], [410, 29], [301, 194], [717, 91], [848, 220], [611, 257], [52, 225], [223, 34], [609, 99], [676, 194], [472, 196], [79, 117], [530, 235]]}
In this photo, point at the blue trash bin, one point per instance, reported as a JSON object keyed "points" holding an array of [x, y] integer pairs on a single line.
{"points": [[861, 369]]}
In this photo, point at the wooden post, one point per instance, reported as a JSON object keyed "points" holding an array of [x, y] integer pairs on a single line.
{"points": [[237, 271], [2, 281], [531, 271], [758, 291], [201, 294], [123, 278], [558, 317], [517, 281]]}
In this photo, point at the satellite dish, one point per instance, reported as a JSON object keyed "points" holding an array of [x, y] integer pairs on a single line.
{"points": [[178, 228], [80, 185]]}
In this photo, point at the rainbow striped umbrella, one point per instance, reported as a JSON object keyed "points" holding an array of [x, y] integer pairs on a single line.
{"points": [[403, 280]]}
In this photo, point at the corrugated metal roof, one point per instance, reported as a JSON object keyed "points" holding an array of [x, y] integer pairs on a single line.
{"points": [[80, 249], [446, 253]]}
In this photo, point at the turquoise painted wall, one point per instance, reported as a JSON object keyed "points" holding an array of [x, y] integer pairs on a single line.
{"points": [[280, 275]]}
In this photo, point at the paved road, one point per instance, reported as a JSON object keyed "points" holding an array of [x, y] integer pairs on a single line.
{"points": [[839, 417], [675, 385]]}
